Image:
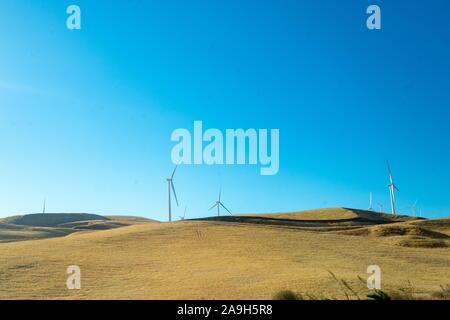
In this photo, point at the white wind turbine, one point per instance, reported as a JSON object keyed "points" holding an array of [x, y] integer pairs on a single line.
{"points": [[172, 188], [380, 205], [43, 208], [219, 204], [413, 208], [392, 188]]}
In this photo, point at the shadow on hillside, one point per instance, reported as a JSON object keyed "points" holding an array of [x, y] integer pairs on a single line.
{"points": [[354, 222]]}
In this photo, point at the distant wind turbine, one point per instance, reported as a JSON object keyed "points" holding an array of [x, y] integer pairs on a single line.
{"points": [[172, 188], [392, 188], [219, 204], [413, 208], [380, 205], [43, 208], [371, 202]]}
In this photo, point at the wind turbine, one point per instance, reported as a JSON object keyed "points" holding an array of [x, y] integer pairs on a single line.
{"points": [[371, 202], [392, 188], [380, 205], [43, 208], [219, 204], [172, 188], [413, 207]]}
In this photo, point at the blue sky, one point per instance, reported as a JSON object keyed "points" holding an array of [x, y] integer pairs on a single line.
{"points": [[86, 116]]}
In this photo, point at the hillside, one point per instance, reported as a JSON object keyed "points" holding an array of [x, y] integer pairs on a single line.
{"points": [[330, 219], [439, 225], [335, 214], [11, 232], [40, 226], [130, 219], [214, 259], [50, 219]]}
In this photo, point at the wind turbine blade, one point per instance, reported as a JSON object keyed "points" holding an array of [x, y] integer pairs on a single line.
{"points": [[395, 187], [391, 179], [220, 193], [225, 207], [215, 205], [174, 170], [174, 193]]}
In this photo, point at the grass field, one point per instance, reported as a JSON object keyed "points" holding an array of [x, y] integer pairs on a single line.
{"points": [[238, 257]]}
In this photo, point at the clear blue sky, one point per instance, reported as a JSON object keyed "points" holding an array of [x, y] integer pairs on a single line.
{"points": [[86, 116]]}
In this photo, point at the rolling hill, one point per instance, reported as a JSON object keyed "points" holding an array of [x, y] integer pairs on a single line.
{"points": [[41, 226], [51, 219], [331, 219], [231, 258]]}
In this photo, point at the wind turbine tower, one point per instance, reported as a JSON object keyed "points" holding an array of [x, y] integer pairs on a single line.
{"points": [[371, 202], [392, 188], [43, 208], [414, 209], [380, 205], [172, 189]]}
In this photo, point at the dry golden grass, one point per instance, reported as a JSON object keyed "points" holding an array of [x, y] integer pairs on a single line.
{"points": [[19, 228], [438, 225], [211, 260], [50, 219], [334, 214], [10, 233], [316, 214], [421, 242]]}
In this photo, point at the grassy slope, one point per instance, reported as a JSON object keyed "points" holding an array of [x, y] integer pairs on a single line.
{"points": [[130, 219], [9, 232], [51, 219], [438, 225], [211, 259], [40, 226], [334, 214]]}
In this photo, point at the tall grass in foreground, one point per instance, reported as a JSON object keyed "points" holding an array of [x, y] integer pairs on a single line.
{"points": [[404, 293]]}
